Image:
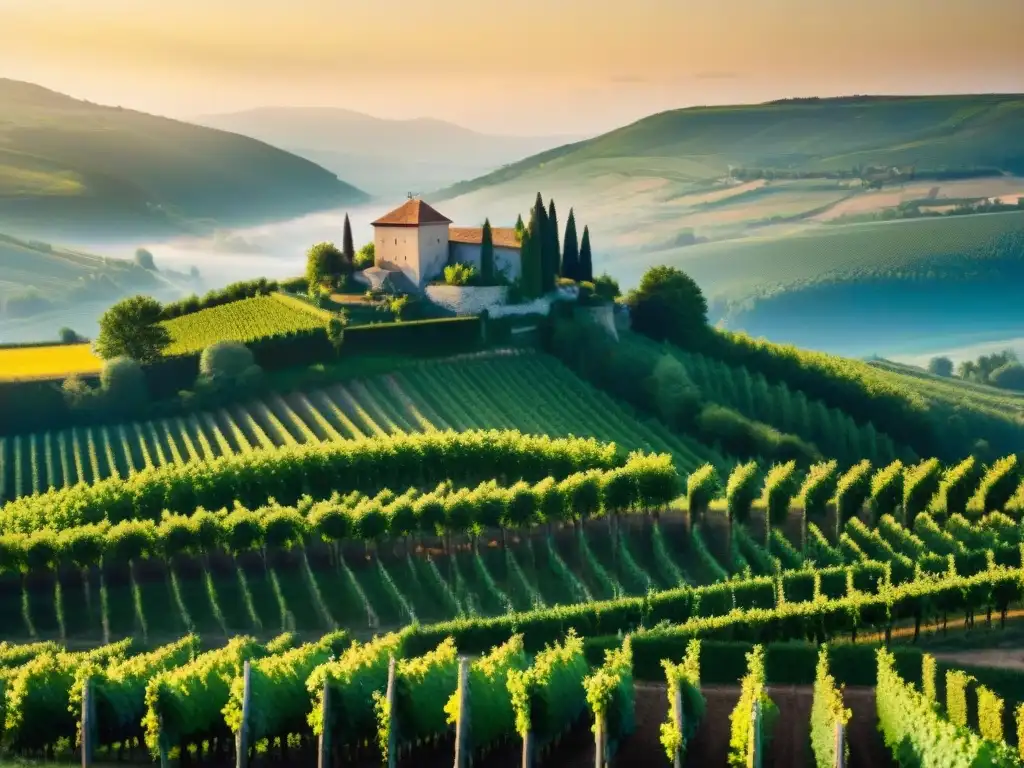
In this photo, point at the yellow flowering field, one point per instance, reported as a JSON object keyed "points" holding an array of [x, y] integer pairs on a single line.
{"points": [[45, 362]]}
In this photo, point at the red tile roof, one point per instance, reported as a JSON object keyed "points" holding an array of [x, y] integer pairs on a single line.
{"points": [[411, 213], [502, 237]]}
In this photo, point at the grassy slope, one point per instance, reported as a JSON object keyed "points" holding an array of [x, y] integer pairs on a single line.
{"points": [[831, 134], [82, 167], [529, 392]]}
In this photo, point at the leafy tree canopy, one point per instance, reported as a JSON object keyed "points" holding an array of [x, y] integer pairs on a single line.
{"points": [[131, 328], [668, 304], [940, 366]]}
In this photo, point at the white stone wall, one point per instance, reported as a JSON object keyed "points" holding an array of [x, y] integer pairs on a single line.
{"points": [[433, 252], [397, 248], [468, 300], [505, 259], [538, 306]]}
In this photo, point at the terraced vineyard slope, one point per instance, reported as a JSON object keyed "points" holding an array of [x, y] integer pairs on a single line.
{"points": [[525, 391]]}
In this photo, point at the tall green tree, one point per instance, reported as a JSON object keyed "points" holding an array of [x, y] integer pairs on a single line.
{"points": [[543, 241], [586, 268], [348, 250], [668, 305], [555, 255], [321, 261], [131, 328], [571, 249], [487, 253], [530, 251], [520, 227]]}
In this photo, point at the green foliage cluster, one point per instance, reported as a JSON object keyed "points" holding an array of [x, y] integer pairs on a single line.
{"points": [[685, 678], [118, 689], [853, 490], [928, 673], [780, 485], [819, 488], [958, 483], [915, 732], [609, 693], [37, 703], [827, 712], [423, 686], [246, 320], [996, 487], [741, 491], [549, 697], [920, 485], [990, 715], [459, 274], [132, 328], [752, 722], [887, 489], [246, 289], [285, 474], [277, 687], [356, 516], [702, 486], [354, 714], [957, 682], [492, 717], [646, 376]]}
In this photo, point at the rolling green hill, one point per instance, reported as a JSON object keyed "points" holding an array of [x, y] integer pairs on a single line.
{"points": [[69, 166], [821, 135], [777, 212]]}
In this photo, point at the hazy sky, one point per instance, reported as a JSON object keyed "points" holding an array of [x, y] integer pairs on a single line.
{"points": [[515, 66]]}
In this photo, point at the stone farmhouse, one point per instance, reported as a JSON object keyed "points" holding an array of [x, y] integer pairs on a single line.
{"points": [[414, 243]]}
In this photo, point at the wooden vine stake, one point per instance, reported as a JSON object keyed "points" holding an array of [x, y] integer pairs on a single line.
{"points": [[323, 756], [462, 749], [528, 750], [165, 761], [754, 761], [88, 723], [392, 757], [242, 740], [600, 742], [840, 745], [677, 718]]}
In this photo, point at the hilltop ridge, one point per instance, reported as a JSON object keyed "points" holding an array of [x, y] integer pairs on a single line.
{"points": [[71, 167]]}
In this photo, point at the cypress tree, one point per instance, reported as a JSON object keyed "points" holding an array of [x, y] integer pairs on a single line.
{"points": [[556, 250], [571, 250], [520, 227], [348, 249], [487, 253], [542, 239], [531, 252], [586, 262]]}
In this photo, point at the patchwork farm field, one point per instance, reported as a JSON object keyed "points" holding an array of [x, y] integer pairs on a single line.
{"points": [[532, 393], [46, 362], [245, 320], [732, 269]]}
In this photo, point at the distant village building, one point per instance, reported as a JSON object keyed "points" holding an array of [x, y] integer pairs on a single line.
{"points": [[414, 243]]}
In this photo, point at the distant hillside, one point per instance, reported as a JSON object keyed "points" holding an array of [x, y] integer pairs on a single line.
{"points": [[44, 287], [931, 133], [383, 157], [73, 167]]}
